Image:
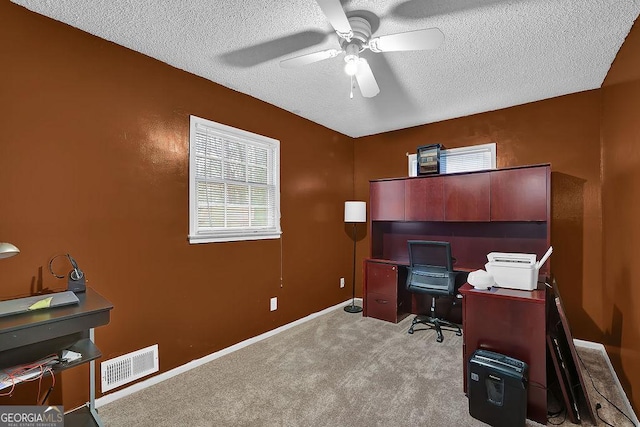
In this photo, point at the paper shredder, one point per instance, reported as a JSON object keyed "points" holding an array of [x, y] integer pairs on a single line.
{"points": [[497, 389]]}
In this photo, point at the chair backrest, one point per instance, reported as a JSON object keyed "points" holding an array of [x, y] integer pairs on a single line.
{"points": [[430, 254], [431, 268]]}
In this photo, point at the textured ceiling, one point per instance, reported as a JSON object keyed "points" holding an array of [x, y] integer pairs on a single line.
{"points": [[495, 54]]}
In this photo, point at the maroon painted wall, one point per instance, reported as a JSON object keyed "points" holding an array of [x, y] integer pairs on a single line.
{"points": [[620, 293], [94, 161]]}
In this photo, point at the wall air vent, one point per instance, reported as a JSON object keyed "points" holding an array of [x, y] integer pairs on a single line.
{"points": [[129, 367]]}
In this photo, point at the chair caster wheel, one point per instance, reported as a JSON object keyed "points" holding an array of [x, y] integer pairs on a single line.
{"points": [[440, 339], [459, 334], [410, 331]]}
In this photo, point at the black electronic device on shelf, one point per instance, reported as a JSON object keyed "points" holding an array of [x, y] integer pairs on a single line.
{"points": [[428, 157], [76, 281]]}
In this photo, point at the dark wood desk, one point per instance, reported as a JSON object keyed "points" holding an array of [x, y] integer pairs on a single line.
{"points": [[510, 322], [27, 337], [501, 210], [387, 298]]}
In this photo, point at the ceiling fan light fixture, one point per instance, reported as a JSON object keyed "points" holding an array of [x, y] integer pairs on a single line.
{"points": [[351, 66], [351, 57], [354, 34]]}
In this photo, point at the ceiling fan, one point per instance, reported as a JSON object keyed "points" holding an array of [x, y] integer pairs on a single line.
{"points": [[355, 36]]}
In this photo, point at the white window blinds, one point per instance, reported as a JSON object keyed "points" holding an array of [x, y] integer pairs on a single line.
{"points": [[468, 159], [234, 184]]}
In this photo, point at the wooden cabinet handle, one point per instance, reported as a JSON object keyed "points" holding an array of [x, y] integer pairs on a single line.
{"points": [[382, 301]]}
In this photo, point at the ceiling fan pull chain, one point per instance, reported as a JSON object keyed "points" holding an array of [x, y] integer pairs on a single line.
{"points": [[351, 93]]}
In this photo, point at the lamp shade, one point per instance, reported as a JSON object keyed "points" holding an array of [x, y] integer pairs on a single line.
{"points": [[8, 250], [355, 211]]}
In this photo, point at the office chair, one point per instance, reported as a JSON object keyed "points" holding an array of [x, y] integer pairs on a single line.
{"points": [[431, 320], [431, 272]]}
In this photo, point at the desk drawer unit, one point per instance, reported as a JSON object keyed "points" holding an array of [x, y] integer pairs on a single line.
{"points": [[382, 306], [385, 297]]}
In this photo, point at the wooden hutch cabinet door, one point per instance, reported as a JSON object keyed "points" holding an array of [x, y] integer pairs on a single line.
{"points": [[423, 199], [467, 197], [520, 194], [387, 200]]}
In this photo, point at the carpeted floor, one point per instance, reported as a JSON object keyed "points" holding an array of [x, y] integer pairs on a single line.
{"points": [[338, 369]]}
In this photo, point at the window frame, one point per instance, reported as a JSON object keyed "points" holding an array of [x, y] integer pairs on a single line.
{"points": [[199, 234]]}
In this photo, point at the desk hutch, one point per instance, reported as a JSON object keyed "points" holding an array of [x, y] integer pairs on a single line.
{"points": [[501, 210]]}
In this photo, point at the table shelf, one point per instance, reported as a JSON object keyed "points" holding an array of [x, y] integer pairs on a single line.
{"points": [[34, 335]]}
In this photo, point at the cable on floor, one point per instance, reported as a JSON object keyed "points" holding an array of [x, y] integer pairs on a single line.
{"points": [[598, 406], [553, 415]]}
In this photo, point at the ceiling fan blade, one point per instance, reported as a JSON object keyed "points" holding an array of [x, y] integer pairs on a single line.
{"points": [[429, 38], [366, 81], [309, 58], [269, 50], [337, 18]]}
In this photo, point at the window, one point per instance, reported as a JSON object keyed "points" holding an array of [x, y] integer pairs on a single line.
{"points": [[463, 159], [234, 185], [468, 159]]}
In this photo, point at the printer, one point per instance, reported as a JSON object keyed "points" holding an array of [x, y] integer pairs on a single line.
{"points": [[515, 270]]}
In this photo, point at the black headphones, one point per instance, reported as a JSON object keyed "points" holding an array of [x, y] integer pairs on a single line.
{"points": [[76, 280]]}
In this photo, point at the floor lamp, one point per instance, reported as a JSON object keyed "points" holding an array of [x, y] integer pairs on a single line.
{"points": [[354, 212]]}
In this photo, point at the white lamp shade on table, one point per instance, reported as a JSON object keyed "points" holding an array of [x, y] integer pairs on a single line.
{"points": [[355, 211]]}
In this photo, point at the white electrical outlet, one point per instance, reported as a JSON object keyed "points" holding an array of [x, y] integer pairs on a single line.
{"points": [[274, 304], [342, 282]]}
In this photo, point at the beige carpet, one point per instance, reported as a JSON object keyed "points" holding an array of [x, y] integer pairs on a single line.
{"points": [[338, 369]]}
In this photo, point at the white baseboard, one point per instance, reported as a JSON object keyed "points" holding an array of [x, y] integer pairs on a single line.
{"points": [[599, 347], [112, 397]]}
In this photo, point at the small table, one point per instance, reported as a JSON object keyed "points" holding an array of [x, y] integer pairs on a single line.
{"points": [[27, 337]]}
